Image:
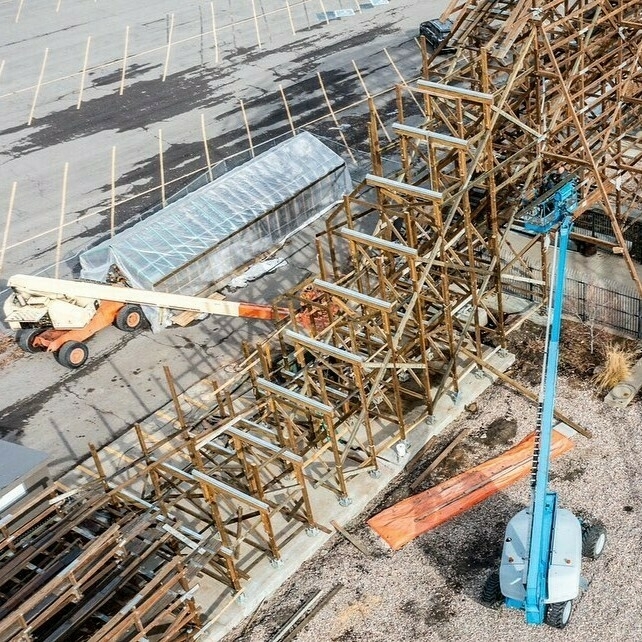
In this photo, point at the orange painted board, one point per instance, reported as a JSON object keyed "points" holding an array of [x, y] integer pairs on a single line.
{"points": [[420, 513]]}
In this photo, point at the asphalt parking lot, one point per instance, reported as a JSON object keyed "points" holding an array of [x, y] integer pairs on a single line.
{"points": [[105, 107]]}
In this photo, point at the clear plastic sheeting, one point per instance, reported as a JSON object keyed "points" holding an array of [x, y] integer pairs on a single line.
{"points": [[197, 240]]}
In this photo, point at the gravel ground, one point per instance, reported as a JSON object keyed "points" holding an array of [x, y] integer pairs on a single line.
{"points": [[430, 589]]}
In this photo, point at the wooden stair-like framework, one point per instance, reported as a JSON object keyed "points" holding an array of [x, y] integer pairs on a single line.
{"points": [[414, 269]]}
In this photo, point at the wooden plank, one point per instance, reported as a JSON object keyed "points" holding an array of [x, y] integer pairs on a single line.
{"points": [[416, 515], [353, 540], [442, 455]]}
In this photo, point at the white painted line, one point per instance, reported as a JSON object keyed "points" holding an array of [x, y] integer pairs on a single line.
{"points": [[35, 96], [84, 73], [216, 57], [5, 236], [112, 210], [58, 6], [63, 203], [256, 24], [169, 46], [289, 10], [207, 151], [122, 78], [162, 168], [247, 128], [19, 10]]}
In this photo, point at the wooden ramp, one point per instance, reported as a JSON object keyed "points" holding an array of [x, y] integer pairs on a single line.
{"points": [[420, 513]]}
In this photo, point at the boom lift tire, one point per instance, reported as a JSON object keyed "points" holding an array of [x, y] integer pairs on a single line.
{"points": [[26, 337], [593, 541], [491, 594], [130, 318], [72, 354], [558, 615]]}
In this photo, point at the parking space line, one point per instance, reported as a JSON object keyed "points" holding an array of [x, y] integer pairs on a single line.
{"points": [[325, 13], [5, 236], [84, 73], [61, 224], [35, 95], [287, 109], [334, 117], [247, 127], [289, 10], [112, 204], [365, 88], [162, 166], [256, 25], [403, 81], [207, 151], [19, 10], [122, 78], [169, 45], [58, 6], [216, 58]]}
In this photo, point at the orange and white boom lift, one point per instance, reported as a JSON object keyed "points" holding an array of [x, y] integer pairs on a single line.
{"points": [[58, 315]]}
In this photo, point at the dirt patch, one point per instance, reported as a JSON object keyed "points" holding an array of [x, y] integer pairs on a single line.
{"points": [[9, 351], [582, 350]]}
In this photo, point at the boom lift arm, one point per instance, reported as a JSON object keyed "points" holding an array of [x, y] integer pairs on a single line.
{"points": [[59, 315], [540, 571]]}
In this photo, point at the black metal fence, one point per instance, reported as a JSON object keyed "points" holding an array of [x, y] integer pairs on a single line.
{"points": [[607, 304]]}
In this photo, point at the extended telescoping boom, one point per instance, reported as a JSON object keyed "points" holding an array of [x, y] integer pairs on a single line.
{"points": [[540, 570], [59, 315]]}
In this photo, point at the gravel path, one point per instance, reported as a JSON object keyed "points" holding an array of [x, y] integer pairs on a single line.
{"points": [[430, 589]]}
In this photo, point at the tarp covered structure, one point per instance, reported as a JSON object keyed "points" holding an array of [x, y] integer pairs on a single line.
{"points": [[204, 236]]}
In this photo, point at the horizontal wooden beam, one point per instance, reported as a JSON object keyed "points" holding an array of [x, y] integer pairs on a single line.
{"points": [[375, 241], [294, 397], [324, 348], [353, 295], [433, 137], [449, 91], [403, 188]]}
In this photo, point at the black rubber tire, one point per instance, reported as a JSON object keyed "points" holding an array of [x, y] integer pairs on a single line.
{"points": [[25, 338], [558, 615], [491, 594], [593, 541], [130, 318], [72, 354]]}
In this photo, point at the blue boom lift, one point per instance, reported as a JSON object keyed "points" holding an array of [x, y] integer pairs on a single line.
{"points": [[540, 570]]}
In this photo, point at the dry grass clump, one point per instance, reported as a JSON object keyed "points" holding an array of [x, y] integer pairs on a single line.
{"points": [[617, 367]]}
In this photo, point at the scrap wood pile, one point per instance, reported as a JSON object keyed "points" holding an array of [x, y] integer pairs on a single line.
{"points": [[89, 568]]}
